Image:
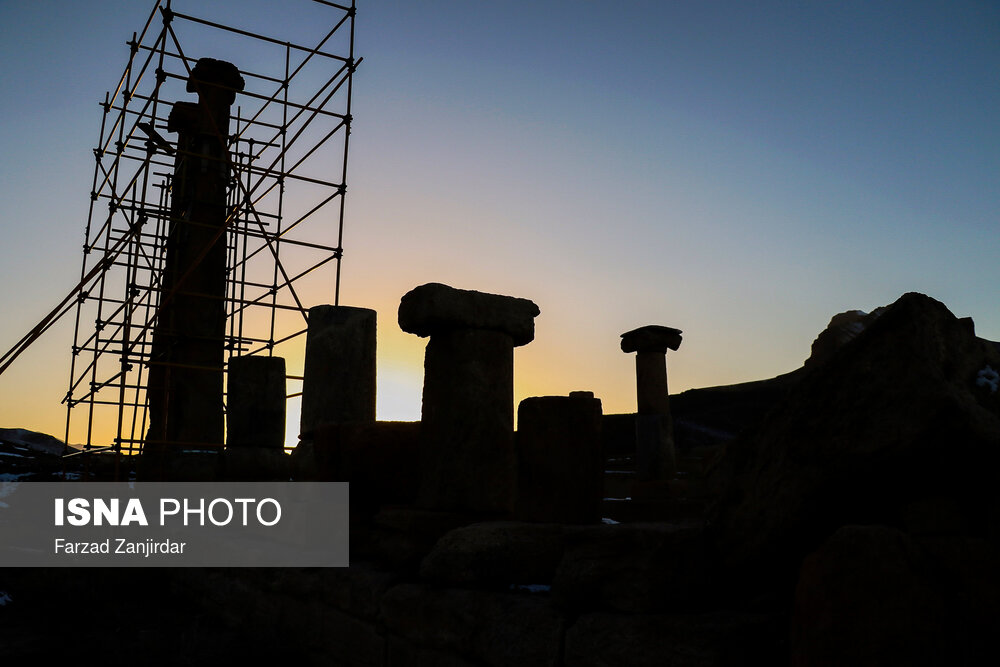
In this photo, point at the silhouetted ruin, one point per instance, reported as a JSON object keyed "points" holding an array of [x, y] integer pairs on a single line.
{"points": [[841, 513]]}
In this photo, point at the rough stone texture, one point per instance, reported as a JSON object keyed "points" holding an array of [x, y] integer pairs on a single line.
{"points": [[496, 554], [843, 328], [493, 628], [467, 460], [255, 406], [339, 372], [435, 308], [651, 338], [894, 417], [559, 458], [867, 597], [717, 639], [635, 568]]}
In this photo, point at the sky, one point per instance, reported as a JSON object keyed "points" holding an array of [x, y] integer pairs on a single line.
{"points": [[740, 171]]}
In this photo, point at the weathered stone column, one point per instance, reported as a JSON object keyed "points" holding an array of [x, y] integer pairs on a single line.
{"points": [[255, 405], [654, 457], [467, 460], [339, 375], [560, 461], [186, 368], [255, 420]]}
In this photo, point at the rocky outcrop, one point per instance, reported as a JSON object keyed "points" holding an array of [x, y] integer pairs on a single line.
{"points": [[893, 422], [843, 328]]}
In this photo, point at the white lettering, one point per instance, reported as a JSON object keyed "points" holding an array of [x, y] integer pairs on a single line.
{"points": [[277, 511], [79, 510], [211, 513]]}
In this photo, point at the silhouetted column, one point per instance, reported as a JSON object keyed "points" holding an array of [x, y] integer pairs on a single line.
{"points": [[560, 463], [339, 376], [467, 460], [655, 459], [255, 405], [185, 387]]}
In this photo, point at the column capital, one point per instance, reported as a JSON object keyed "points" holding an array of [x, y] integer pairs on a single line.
{"points": [[651, 338], [217, 79], [434, 308]]}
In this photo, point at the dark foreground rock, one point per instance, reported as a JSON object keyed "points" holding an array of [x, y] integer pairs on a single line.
{"points": [[892, 426]]}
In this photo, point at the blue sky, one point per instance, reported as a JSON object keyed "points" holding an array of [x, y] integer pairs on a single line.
{"points": [[741, 171]]}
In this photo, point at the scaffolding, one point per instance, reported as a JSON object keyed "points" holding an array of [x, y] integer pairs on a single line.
{"points": [[284, 229]]}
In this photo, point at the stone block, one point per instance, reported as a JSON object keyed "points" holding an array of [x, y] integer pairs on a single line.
{"points": [[339, 372], [255, 402], [560, 460], [435, 308]]}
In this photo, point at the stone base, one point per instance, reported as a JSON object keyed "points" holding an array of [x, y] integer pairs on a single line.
{"points": [[560, 462]]}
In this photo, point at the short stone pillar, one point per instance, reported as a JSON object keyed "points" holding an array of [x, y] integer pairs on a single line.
{"points": [[560, 462], [255, 420], [338, 383], [255, 405], [467, 460], [654, 456]]}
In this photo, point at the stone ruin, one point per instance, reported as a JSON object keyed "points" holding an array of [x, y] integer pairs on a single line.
{"points": [[773, 533], [462, 457]]}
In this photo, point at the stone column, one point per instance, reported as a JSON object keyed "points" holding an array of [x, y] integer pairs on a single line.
{"points": [[255, 405], [255, 420], [654, 457], [186, 368], [338, 383], [467, 460], [560, 462]]}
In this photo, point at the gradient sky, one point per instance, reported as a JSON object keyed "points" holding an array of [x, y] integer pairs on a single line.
{"points": [[741, 171]]}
